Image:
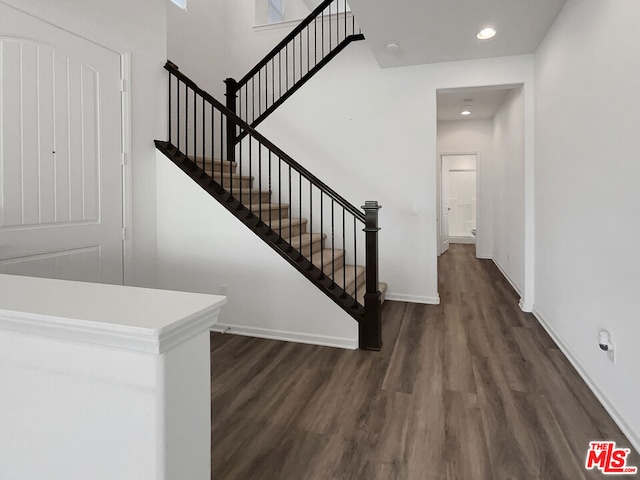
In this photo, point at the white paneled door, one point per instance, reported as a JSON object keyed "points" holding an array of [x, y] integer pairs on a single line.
{"points": [[60, 151]]}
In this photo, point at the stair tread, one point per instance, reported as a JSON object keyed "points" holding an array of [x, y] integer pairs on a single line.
{"points": [[266, 206], [285, 222], [304, 239], [207, 160], [218, 174], [325, 256], [246, 191], [383, 291], [348, 275]]}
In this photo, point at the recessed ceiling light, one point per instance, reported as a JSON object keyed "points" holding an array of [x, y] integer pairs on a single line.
{"points": [[466, 110], [393, 48], [486, 33]]}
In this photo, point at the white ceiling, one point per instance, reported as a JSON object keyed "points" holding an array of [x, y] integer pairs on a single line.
{"points": [[431, 31], [484, 103]]}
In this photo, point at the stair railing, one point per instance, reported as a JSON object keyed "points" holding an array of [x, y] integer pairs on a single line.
{"points": [[198, 134], [299, 56]]}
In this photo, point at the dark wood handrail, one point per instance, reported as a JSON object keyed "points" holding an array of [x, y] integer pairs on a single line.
{"points": [[307, 21], [175, 71]]}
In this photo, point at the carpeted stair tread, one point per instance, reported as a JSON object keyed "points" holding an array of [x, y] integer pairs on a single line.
{"points": [[300, 241], [229, 167], [325, 257], [347, 277]]}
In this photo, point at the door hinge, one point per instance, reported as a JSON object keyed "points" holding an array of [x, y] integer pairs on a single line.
{"points": [[124, 234], [122, 85]]}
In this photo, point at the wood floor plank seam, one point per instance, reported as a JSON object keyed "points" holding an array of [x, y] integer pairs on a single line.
{"points": [[471, 389]]}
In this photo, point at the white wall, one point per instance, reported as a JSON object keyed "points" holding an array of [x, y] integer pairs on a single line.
{"points": [[586, 176], [138, 28], [202, 246], [197, 43], [371, 135], [474, 136], [508, 188]]}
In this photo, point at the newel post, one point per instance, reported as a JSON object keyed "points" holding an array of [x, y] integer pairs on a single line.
{"points": [[231, 94], [370, 329]]}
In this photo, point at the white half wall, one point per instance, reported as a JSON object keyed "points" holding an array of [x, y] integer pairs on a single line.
{"points": [[586, 178], [508, 189], [140, 29], [474, 136], [202, 247]]}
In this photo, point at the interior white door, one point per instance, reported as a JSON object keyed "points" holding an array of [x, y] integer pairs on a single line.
{"points": [[445, 207], [60, 144]]}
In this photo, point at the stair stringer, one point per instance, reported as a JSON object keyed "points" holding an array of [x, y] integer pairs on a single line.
{"points": [[259, 228]]}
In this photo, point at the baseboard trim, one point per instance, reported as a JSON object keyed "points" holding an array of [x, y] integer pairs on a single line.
{"points": [[503, 271], [484, 257], [602, 398], [400, 297], [297, 337], [463, 240]]}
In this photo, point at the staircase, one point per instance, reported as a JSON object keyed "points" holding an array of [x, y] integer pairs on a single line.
{"points": [[311, 226]]}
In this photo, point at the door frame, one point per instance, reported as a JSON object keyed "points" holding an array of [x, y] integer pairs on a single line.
{"points": [[478, 193], [125, 139]]}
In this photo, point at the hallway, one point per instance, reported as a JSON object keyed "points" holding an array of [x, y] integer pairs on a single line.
{"points": [[469, 389]]}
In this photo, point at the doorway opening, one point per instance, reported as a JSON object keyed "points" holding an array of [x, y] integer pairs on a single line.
{"points": [[481, 144], [459, 187]]}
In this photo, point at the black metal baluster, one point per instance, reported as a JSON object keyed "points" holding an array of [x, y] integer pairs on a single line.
{"points": [[253, 100], [195, 128], [222, 155], [240, 157], [260, 177], [178, 109], [353, 23], [311, 221], [308, 46], [344, 257], [246, 103], [186, 118], [280, 74], [355, 254], [280, 196], [270, 188], [289, 204], [330, 34], [333, 242], [293, 55], [301, 58], [322, 31], [286, 66], [231, 145], [345, 19], [300, 210], [170, 112], [321, 230], [213, 139], [273, 81], [250, 174], [239, 107], [315, 42], [204, 134], [259, 92]]}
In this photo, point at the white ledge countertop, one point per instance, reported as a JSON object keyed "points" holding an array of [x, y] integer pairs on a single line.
{"points": [[130, 318]]}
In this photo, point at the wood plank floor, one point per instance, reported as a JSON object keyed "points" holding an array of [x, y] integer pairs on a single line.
{"points": [[469, 389]]}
